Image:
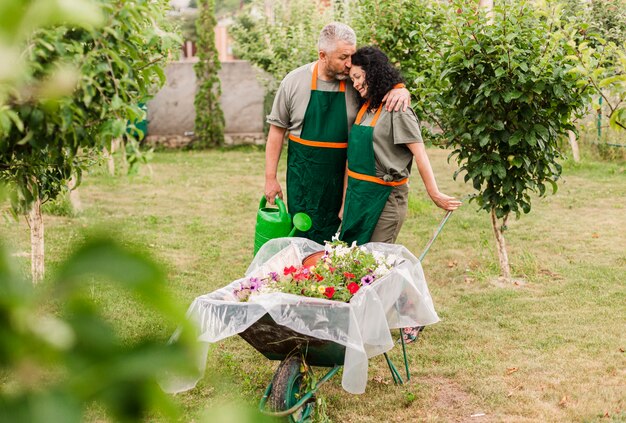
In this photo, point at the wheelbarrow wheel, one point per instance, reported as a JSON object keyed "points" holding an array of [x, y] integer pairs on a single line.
{"points": [[287, 389]]}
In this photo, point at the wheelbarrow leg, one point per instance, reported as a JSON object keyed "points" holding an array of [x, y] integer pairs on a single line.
{"points": [[397, 379], [406, 360]]}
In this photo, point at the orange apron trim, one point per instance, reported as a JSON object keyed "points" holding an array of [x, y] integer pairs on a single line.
{"points": [[369, 178], [342, 84], [321, 144], [364, 108]]}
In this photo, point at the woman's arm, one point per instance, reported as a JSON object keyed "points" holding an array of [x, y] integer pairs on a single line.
{"points": [[428, 177]]}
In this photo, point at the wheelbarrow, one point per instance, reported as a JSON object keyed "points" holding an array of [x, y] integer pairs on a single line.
{"points": [[291, 393]]}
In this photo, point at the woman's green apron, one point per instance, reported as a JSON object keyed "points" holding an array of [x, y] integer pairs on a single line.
{"points": [[316, 161], [366, 194]]}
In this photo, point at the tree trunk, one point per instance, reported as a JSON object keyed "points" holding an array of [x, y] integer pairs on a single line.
{"points": [[35, 222], [109, 155], [573, 142], [505, 269], [77, 205]]}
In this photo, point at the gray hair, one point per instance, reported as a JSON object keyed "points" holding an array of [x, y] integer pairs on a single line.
{"points": [[333, 32]]}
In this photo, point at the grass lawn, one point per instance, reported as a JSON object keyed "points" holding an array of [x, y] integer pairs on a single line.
{"points": [[548, 349]]}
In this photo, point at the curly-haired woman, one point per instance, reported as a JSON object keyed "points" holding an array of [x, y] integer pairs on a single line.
{"points": [[381, 149]]}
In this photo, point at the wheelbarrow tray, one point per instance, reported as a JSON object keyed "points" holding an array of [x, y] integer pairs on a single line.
{"points": [[277, 342]]}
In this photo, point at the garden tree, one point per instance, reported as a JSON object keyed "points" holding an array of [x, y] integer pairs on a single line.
{"points": [[85, 87], [410, 32], [57, 365], [599, 49], [600, 53], [510, 97], [18, 20], [281, 42], [209, 123]]}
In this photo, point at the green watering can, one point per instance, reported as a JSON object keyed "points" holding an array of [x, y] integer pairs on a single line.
{"points": [[274, 222]]}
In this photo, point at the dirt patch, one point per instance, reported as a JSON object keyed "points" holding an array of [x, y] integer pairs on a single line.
{"points": [[451, 403], [501, 282]]}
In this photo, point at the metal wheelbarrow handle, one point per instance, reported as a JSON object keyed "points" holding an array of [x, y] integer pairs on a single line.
{"points": [[435, 235]]}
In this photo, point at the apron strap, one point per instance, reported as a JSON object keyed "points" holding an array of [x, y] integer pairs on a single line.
{"points": [[364, 108], [369, 178], [342, 84], [322, 144]]}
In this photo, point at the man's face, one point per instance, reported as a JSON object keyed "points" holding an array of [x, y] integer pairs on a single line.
{"points": [[339, 60]]}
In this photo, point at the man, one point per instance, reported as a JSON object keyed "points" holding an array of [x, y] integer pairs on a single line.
{"points": [[317, 104]]}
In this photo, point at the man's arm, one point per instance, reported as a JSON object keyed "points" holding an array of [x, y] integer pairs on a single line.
{"points": [[273, 149], [397, 98]]}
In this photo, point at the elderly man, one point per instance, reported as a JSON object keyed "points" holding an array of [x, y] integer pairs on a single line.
{"points": [[317, 104]]}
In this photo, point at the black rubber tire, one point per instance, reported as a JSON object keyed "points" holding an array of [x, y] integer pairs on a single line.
{"points": [[287, 379]]}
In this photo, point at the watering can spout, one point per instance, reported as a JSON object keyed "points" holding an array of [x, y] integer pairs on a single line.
{"points": [[275, 222], [301, 222]]}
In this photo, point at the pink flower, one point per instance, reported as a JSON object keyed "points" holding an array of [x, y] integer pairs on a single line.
{"points": [[367, 279]]}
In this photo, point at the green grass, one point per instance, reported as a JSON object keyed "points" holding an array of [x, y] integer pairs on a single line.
{"points": [[550, 349]]}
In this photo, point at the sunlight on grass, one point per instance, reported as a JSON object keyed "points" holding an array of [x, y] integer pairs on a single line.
{"points": [[511, 352]]}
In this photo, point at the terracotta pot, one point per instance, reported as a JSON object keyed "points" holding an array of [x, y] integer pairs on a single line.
{"points": [[312, 259]]}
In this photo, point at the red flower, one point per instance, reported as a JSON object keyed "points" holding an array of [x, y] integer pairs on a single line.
{"points": [[349, 275], [332, 269], [300, 276], [319, 277], [330, 291], [353, 287], [289, 270]]}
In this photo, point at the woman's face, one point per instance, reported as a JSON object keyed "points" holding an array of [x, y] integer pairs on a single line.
{"points": [[357, 75]]}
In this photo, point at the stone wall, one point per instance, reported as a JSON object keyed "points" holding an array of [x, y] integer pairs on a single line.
{"points": [[171, 112]]}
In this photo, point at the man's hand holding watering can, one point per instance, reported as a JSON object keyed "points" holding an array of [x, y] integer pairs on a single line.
{"points": [[272, 190]]}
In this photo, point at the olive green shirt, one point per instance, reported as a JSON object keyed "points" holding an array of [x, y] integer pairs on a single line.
{"points": [[294, 93], [392, 132]]}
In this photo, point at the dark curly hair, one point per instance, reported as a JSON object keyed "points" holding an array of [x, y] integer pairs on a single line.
{"points": [[380, 74]]}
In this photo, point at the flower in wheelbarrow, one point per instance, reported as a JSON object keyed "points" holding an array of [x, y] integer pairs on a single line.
{"points": [[254, 284], [329, 292], [321, 289], [353, 287], [289, 270], [367, 280]]}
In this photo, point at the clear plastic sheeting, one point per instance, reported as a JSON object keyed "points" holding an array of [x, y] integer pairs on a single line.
{"points": [[399, 299]]}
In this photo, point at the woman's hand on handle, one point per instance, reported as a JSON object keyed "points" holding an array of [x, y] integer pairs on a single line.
{"points": [[445, 201]]}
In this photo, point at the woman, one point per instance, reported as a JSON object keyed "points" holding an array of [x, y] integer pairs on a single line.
{"points": [[381, 149]]}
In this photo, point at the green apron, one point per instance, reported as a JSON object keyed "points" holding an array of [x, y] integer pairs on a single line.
{"points": [[316, 162], [366, 194]]}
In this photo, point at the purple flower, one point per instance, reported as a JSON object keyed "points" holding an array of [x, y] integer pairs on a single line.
{"points": [[254, 284], [274, 276], [366, 280]]}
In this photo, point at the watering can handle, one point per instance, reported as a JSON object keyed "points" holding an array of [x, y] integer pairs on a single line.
{"points": [[281, 205]]}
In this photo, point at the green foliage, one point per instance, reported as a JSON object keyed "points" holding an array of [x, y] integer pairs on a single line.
{"points": [[608, 18], [57, 364], [20, 18], [410, 33], [282, 42], [209, 124], [599, 49], [510, 97], [85, 86]]}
